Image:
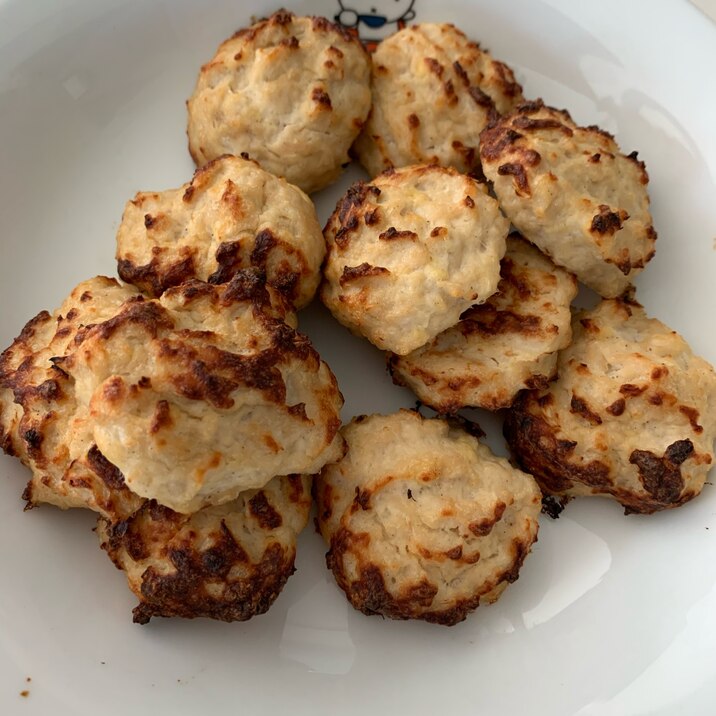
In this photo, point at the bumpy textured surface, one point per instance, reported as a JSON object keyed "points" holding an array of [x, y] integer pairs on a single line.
{"points": [[292, 92], [434, 91], [228, 562], [40, 420], [409, 252], [232, 215], [206, 392], [423, 521], [571, 191], [500, 347], [632, 415]]}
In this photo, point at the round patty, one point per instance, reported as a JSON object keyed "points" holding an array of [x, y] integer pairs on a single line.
{"points": [[206, 392], [423, 521], [571, 191], [631, 416], [232, 215], [40, 419], [292, 92], [500, 347], [409, 252], [434, 91], [228, 562]]}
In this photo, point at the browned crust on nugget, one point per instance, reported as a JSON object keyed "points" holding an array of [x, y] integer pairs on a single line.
{"points": [[36, 402], [543, 455], [353, 273], [157, 276], [539, 451], [209, 373], [369, 593], [661, 476], [349, 210], [186, 592], [208, 575]]}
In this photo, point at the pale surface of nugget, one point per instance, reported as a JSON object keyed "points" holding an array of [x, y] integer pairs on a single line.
{"points": [[40, 420], [423, 521], [571, 191], [632, 415], [409, 252], [292, 92], [232, 215], [227, 562], [206, 392], [434, 91], [498, 348]]}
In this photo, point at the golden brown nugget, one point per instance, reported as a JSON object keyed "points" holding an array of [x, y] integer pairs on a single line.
{"points": [[232, 215], [422, 520], [206, 392], [409, 252], [292, 92], [41, 422], [572, 192], [434, 91], [631, 416]]}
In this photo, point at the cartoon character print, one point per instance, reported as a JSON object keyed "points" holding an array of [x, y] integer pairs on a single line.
{"points": [[374, 20]]}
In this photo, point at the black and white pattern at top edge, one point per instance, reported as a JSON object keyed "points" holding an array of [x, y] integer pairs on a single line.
{"points": [[373, 20]]}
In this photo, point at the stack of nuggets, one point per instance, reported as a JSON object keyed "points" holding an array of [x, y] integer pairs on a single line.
{"points": [[188, 412], [160, 414], [205, 392], [500, 347]]}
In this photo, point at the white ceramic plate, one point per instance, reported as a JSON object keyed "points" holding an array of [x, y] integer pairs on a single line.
{"points": [[611, 615]]}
